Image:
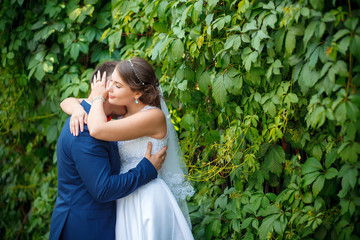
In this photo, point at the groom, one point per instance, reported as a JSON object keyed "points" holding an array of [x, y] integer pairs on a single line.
{"points": [[88, 180]]}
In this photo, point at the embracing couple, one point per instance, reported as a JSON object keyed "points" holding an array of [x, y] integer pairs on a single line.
{"points": [[113, 182]]}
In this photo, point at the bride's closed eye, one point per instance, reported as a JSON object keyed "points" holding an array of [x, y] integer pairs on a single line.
{"points": [[117, 84]]}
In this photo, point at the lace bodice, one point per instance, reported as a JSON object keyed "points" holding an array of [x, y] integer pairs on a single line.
{"points": [[132, 151]]}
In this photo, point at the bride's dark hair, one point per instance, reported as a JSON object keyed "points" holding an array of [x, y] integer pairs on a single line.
{"points": [[141, 77]]}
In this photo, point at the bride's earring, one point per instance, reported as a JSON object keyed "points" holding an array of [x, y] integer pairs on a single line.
{"points": [[136, 101]]}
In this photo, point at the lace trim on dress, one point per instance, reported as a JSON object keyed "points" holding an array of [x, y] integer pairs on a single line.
{"points": [[178, 185]]}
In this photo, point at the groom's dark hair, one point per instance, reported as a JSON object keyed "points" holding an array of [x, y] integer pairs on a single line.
{"points": [[107, 67]]}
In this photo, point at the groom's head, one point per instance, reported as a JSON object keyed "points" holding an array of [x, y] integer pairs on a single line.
{"points": [[108, 67]]}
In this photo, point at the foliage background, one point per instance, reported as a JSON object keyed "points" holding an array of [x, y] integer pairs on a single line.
{"points": [[264, 94]]}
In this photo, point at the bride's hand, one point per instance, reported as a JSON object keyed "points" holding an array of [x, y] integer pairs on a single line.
{"points": [[77, 120], [98, 86]]}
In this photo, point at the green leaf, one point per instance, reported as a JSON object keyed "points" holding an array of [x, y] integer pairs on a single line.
{"points": [[237, 83], [256, 40], [76, 90], [182, 86], [339, 34], [352, 111], [204, 82], [290, 42], [213, 229], [48, 66], [331, 173], [227, 81], [317, 4], [75, 14], [196, 11], [329, 17], [349, 176], [249, 57], [161, 27], [219, 24], [267, 225], [162, 9], [230, 41], [354, 46], [310, 178], [309, 31], [308, 198], [293, 98], [350, 152], [51, 135], [39, 72], [103, 20], [246, 222], [316, 151], [84, 87], [177, 50], [212, 3], [318, 185], [188, 121], [340, 113], [74, 51], [279, 39], [219, 91], [330, 158], [311, 165], [274, 160], [279, 227], [307, 78], [270, 20], [221, 201], [39, 24], [248, 236], [83, 47], [314, 58], [250, 26]]}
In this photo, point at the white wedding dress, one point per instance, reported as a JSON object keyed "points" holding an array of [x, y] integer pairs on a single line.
{"points": [[151, 212]]}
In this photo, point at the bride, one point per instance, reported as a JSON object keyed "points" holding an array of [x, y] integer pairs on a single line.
{"points": [[158, 209]]}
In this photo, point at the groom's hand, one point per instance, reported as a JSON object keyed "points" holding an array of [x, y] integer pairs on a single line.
{"points": [[158, 158]]}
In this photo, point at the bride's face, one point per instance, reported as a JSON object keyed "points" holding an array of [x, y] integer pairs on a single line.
{"points": [[119, 92]]}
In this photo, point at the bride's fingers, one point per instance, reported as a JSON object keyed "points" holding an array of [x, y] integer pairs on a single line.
{"points": [[98, 77], [103, 79], [76, 127], [71, 126], [85, 119]]}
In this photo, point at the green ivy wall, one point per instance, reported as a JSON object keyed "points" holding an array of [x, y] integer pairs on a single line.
{"points": [[264, 95]]}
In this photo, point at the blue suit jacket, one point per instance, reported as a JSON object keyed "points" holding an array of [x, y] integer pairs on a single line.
{"points": [[88, 184]]}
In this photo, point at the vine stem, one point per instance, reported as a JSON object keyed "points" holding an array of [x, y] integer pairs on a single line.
{"points": [[349, 8], [22, 223], [350, 62]]}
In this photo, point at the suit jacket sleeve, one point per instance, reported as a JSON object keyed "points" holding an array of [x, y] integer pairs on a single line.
{"points": [[92, 162]]}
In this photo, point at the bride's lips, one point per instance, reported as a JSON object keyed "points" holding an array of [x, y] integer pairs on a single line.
{"points": [[111, 97]]}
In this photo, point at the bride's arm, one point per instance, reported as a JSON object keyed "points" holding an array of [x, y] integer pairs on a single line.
{"points": [[151, 123], [72, 107]]}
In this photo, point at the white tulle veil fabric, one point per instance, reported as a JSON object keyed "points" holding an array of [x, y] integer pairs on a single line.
{"points": [[174, 171]]}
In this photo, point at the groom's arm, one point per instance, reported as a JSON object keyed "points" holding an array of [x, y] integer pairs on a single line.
{"points": [[92, 162]]}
